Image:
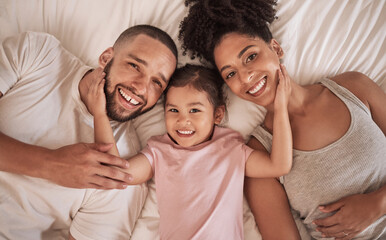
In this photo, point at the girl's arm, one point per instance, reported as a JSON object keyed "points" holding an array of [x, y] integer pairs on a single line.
{"points": [[103, 132], [140, 168], [260, 163]]}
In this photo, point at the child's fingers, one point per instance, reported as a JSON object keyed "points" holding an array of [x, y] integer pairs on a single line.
{"points": [[282, 73], [101, 86], [94, 86], [98, 71], [284, 79]]}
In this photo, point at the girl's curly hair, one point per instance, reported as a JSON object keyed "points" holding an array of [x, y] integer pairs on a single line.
{"points": [[209, 20]]}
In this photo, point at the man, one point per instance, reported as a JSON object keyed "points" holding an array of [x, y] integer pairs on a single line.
{"points": [[42, 109]]}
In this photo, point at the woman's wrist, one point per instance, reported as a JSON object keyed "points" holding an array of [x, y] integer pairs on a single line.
{"points": [[379, 197]]}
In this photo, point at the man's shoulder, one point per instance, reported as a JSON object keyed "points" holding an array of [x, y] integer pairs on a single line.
{"points": [[32, 39], [39, 36]]}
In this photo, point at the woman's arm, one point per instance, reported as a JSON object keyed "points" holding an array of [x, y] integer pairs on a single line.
{"points": [[352, 214], [269, 205], [279, 162], [368, 92]]}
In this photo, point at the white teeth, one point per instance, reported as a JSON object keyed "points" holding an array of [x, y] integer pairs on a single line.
{"points": [[128, 98], [258, 87], [185, 132], [133, 101]]}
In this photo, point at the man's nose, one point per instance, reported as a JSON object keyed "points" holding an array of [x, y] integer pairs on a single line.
{"points": [[140, 85]]}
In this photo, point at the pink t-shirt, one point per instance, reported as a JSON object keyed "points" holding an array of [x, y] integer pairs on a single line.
{"points": [[200, 189]]}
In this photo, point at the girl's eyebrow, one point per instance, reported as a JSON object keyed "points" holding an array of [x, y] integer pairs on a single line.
{"points": [[189, 104], [195, 103]]}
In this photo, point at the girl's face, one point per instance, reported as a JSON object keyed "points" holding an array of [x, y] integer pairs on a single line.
{"points": [[249, 66], [189, 116]]}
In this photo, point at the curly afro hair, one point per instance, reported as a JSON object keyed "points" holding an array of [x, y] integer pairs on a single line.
{"points": [[209, 20]]}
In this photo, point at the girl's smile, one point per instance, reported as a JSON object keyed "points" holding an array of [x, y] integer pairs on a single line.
{"points": [[189, 116]]}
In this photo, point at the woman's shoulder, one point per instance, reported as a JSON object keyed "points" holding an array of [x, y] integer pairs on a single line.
{"points": [[357, 83]]}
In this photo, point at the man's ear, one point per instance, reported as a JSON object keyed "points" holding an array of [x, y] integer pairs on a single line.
{"points": [[275, 46], [219, 114], [106, 56]]}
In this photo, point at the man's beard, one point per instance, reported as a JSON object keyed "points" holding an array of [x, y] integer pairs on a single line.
{"points": [[113, 111]]}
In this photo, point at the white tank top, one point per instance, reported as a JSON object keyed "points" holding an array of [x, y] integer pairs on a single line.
{"points": [[355, 163]]}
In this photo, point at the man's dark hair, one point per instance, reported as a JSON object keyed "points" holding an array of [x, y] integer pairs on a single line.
{"points": [[150, 31], [209, 20]]}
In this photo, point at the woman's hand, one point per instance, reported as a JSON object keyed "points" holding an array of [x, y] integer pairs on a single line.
{"points": [[283, 90], [96, 98], [352, 215]]}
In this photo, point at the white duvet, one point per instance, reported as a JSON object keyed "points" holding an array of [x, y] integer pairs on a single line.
{"points": [[319, 38]]}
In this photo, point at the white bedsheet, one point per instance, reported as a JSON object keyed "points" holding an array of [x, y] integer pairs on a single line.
{"points": [[319, 38]]}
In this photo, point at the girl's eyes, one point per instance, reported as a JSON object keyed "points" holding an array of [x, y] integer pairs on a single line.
{"points": [[194, 110], [173, 110]]}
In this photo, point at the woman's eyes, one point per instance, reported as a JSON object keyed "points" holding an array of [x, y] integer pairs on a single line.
{"points": [[251, 57], [248, 59], [231, 74]]}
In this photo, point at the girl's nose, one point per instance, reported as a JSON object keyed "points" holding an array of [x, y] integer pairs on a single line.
{"points": [[183, 119]]}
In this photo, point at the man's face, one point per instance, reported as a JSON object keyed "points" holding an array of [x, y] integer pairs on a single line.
{"points": [[136, 76]]}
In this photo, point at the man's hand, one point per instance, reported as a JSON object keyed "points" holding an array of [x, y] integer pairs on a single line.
{"points": [[85, 165], [353, 214]]}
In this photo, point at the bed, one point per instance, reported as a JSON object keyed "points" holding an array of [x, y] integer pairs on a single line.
{"points": [[319, 38]]}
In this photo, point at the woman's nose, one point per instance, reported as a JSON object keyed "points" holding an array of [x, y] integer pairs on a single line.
{"points": [[245, 76]]}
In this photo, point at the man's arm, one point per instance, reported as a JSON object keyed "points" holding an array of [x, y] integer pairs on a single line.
{"points": [[79, 165]]}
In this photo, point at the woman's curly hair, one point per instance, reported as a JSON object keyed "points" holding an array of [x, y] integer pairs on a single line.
{"points": [[209, 20]]}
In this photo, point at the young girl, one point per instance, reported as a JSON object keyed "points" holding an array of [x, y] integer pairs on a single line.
{"points": [[198, 166]]}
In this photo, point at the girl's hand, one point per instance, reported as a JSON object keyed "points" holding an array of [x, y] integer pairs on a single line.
{"points": [[96, 98], [283, 90]]}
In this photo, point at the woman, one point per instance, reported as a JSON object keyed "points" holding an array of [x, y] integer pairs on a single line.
{"points": [[337, 183]]}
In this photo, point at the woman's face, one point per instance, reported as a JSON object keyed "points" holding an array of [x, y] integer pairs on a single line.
{"points": [[249, 66]]}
